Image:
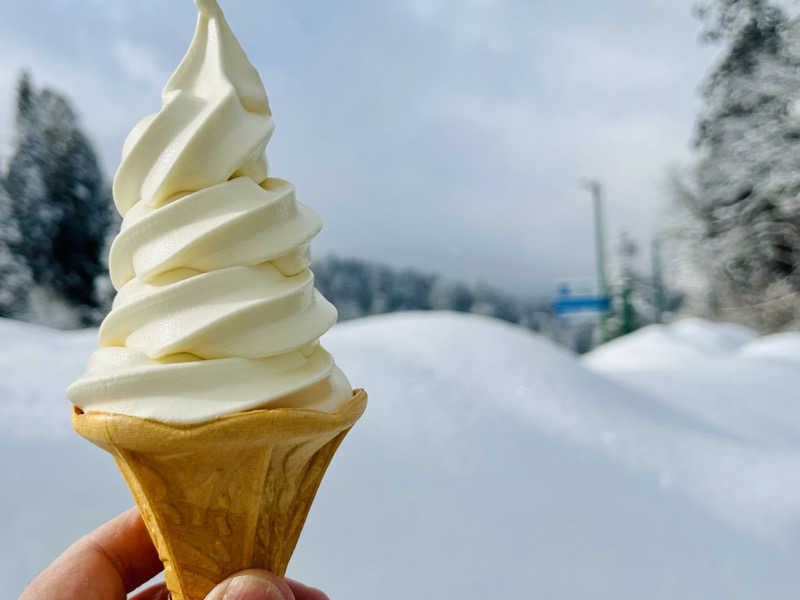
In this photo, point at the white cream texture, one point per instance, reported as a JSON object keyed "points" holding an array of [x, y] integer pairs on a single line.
{"points": [[216, 310]]}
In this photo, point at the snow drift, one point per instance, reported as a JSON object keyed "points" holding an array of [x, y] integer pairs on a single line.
{"points": [[489, 462]]}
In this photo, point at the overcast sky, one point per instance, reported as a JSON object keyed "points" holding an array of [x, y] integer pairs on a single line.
{"points": [[448, 135]]}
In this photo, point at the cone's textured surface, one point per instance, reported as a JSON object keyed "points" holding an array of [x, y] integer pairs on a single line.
{"points": [[227, 494]]}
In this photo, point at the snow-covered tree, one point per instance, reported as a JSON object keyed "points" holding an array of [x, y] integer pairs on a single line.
{"points": [[743, 194], [455, 296], [359, 288], [103, 288], [15, 275], [58, 197], [626, 317]]}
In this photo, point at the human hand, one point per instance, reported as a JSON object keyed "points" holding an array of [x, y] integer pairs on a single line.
{"points": [[119, 556]]}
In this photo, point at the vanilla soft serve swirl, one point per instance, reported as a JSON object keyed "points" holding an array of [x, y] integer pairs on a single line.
{"points": [[216, 310]]}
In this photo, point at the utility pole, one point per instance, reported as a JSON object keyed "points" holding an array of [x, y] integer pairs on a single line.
{"points": [[596, 189]]}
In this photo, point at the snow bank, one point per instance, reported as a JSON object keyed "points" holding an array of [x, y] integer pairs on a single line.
{"points": [[747, 386], [489, 463], [665, 346], [781, 346], [36, 365]]}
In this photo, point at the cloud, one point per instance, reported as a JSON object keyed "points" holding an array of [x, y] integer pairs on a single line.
{"points": [[468, 23], [445, 134], [140, 63]]}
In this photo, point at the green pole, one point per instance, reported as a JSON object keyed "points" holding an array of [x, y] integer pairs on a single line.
{"points": [[658, 283]]}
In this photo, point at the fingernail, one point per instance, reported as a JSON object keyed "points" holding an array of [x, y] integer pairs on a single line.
{"points": [[247, 586]]}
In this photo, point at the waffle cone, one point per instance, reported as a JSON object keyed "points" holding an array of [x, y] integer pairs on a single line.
{"points": [[223, 495]]}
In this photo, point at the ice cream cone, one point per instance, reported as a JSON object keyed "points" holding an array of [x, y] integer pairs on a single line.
{"points": [[227, 494]]}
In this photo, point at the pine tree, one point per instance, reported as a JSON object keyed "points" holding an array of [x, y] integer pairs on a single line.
{"points": [[360, 288], [744, 193], [15, 275], [58, 196], [627, 317], [103, 288]]}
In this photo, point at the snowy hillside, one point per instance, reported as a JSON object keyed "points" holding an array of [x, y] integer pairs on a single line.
{"points": [[490, 463]]}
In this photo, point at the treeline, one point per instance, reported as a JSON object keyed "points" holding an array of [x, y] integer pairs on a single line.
{"points": [[359, 288]]}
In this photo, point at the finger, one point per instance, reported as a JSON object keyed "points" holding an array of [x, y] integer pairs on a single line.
{"points": [[253, 585], [304, 592], [104, 565], [125, 543], [300, 591], [156, 592]]}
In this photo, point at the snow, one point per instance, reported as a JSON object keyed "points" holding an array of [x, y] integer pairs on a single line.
{"points": [[489, 463], [780, 347], [660, 346]]}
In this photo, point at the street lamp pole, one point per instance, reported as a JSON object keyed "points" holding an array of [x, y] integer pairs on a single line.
{"points": [[596, 189]]}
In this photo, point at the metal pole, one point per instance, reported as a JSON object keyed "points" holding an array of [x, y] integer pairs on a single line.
{"points": [[596, 189], [599, 237]]}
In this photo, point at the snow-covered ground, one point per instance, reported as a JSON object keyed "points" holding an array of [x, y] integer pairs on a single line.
{"points": [[490, 463]]}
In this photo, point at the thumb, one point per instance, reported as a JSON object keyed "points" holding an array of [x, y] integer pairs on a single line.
{"points": [[252, 585]]}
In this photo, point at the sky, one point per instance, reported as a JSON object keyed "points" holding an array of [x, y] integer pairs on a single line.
{"points": [[450, 136]]}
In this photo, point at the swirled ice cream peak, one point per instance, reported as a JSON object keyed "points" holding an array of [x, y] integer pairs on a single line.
{"points": [[216, 310], [215, 121]]}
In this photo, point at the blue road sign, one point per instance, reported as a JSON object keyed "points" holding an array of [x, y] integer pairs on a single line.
{"points": [[570, 304]]}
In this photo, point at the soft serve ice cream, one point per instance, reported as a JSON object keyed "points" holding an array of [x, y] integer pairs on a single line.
{"points": [[211, 346], [216, 310]]}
